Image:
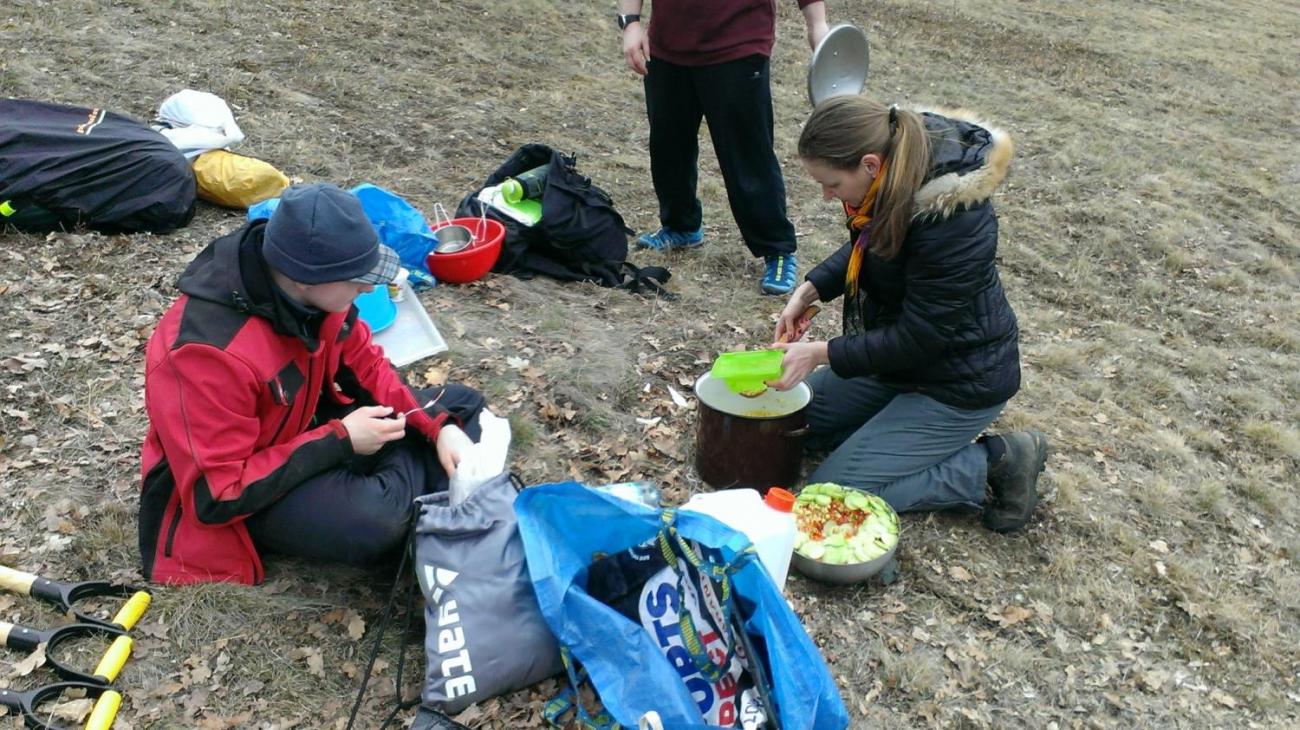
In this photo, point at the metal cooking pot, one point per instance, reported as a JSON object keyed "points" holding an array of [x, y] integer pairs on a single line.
{"points": [[452, 238], [752, 443]]}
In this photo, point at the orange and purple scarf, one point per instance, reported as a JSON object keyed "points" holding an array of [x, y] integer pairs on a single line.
{"points": [[860, 220]]}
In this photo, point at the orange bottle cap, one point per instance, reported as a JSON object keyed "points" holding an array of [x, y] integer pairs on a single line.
{"points": [[779, 499]]}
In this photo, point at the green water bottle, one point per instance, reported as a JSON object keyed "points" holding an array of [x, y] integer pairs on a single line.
{"points": [[525, 186]]}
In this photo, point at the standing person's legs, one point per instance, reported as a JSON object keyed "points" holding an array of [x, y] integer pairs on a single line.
{"points": [[737, 101], [915, 452], [674, 113]]}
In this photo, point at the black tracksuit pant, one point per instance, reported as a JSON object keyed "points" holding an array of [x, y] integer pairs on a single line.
{"points": [[359, 513], [736, 99]]}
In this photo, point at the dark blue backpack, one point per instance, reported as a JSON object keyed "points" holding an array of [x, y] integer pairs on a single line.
{"points": [[66, 166]]}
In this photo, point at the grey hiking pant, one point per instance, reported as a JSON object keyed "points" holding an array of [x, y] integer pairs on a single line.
{"points": [[913, 451]]}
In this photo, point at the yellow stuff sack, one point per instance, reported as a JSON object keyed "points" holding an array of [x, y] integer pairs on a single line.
{"points": [[236, 181]]}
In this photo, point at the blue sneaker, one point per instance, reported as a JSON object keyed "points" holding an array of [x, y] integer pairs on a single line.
{"points": [[780, 275], [666, 238]]}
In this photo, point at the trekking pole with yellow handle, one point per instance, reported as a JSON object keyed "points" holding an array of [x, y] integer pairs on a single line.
{"points": [[65, 595]]}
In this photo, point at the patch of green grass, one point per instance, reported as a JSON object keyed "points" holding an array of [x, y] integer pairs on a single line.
{"points": [[1291, 385], [1176, 260], [594, 421], [499, 387], [1274, 337], [916, 673], [554, 322], [523, 431], [1146, 384], [1274, 440], [1071, 360], [1206, 440], [1262, 491], [1206, 363], [1158, 498], [1172, 448], [1234, 280], [1211, 497], [1273, 268], [1249, 401], [1151, 290]]}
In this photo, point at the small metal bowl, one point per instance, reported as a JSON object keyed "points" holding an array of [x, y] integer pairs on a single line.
{"points": [[846, 574], [452, 238]]}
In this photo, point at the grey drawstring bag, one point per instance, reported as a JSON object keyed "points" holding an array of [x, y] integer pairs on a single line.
{"points": [[483, 632]]}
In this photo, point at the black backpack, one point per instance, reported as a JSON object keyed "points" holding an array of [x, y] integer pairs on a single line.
{"points": [[581, 237], [64, 166]]}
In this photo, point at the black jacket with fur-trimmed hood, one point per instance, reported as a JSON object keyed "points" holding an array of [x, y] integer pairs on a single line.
{"points": [[934, 319]]}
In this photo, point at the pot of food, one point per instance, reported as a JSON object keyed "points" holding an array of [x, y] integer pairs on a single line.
{"points": [[744, 442]]}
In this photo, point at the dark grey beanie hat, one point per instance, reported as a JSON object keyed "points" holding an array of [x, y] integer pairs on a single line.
{"points": [[319, 234]]}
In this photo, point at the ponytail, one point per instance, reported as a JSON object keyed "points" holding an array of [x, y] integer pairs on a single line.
{"points": [[843, 129]]}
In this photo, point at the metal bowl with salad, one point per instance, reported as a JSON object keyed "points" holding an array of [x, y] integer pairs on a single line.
{"points": [[843, 535]]}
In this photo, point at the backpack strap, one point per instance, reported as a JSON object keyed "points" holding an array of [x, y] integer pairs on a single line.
{"points": [[382, 628], [645, 279], [401, 582]]}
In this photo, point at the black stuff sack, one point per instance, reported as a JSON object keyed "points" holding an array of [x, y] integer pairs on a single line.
{"points": [[66, 166], [580, 237]]}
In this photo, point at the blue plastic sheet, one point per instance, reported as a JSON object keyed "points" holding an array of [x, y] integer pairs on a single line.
{"points": [[564, 525], [400, 227]]}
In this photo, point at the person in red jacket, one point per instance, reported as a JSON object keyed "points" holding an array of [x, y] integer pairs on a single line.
{"points": [[275, 422], [709, 60]]}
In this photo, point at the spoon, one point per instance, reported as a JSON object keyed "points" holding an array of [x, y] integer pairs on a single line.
{"points": [[426, 406]]}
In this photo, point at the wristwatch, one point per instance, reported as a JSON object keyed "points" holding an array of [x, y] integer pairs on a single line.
{"points": [[625, 20]]}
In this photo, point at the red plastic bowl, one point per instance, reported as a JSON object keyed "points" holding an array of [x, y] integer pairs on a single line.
{"points": [[472, 263]]}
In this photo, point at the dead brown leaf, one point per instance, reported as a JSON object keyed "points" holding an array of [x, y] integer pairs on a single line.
{"points": [[30, 663], [1009, 615], [356, 626], [1224, 698]]}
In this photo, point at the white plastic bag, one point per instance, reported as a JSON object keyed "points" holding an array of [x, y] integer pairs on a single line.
{"points": [[196, 122], [481, 461]]}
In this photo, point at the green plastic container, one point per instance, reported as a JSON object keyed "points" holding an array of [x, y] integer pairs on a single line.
{"points": [[748, 371]]}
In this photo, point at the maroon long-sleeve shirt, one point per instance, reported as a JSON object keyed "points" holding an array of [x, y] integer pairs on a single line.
{"points": [[701, 32]]}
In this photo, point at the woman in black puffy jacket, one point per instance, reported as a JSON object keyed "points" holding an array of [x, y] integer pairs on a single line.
{"points": [[929, 356]]}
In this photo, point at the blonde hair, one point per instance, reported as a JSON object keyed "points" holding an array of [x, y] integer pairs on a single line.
{"points": [[843, 129]]}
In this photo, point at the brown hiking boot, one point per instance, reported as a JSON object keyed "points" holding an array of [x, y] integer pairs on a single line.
{"points": [[1013, 481]]}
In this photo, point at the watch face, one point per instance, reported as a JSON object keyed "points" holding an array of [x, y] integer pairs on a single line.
{"points": [[625, 20]]}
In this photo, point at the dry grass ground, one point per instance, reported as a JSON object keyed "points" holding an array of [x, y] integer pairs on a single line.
{"points": [[1149, 245]]}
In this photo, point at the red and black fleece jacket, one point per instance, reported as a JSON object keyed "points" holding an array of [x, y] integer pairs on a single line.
{"points": [[234, 374]]}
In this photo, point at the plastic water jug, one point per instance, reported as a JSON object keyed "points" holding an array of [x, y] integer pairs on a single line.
{"points": [[767, 522]]}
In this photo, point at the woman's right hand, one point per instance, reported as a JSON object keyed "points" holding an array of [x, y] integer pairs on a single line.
{"points": [[792, 324], [369, 428]]}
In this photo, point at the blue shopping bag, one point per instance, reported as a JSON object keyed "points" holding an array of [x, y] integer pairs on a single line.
{"points": [[565, 527], [400, 227]]}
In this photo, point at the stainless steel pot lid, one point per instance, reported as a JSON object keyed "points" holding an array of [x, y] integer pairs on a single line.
{"points": [[839, 65]]}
